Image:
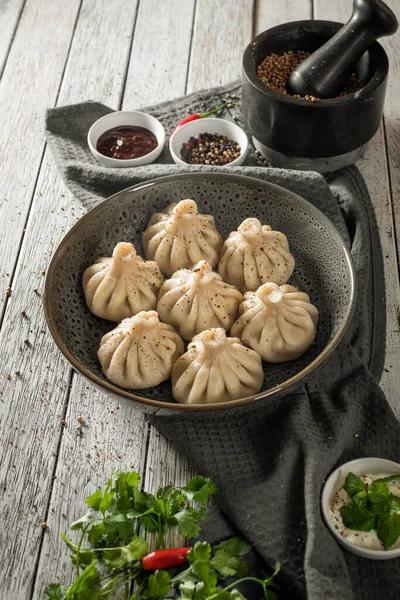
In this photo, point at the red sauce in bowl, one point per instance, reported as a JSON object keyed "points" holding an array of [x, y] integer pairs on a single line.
{"points": [[126, 142]]}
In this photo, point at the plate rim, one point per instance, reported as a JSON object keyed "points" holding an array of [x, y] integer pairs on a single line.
{"points": [[230, 404]]}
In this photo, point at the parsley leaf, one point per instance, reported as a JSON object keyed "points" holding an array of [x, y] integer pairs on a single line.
{"points": [[55, 591], [236, 546], [200, 490], [123, 556], [388, 529], [354, 484], [158, 585]]}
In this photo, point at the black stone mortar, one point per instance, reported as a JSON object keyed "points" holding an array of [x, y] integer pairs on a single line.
{"points": [[325, 135]]}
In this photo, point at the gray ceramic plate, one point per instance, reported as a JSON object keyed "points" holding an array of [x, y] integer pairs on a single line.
{"points": [[323, 269]]}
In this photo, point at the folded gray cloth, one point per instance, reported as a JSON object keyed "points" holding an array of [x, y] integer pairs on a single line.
{"points": [[270, 461]]}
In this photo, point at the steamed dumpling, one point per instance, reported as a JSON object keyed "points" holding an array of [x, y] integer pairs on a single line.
{"points": [[197, 299], [178, 237], [216, 368], [254, 254], [140, 352], [119, 287], [279, 323]]}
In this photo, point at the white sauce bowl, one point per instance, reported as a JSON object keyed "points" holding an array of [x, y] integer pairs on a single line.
{"points": [[377, 467], [118, 119], [208, 125]]}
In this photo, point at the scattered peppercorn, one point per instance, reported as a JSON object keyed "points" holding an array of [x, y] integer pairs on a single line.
{"points": [[27, 342], [36, 291], [23, 314], [8, 292], [17, 373], [262, 161], [210, 149], [275, 69]]}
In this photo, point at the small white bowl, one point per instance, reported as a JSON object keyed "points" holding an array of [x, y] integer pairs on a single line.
{"points": [[208, 125], [118, 119], [360, 466]]}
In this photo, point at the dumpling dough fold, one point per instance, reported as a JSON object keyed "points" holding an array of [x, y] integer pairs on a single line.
{"points": [[178, 237], [140, 352], [278, 322], [216, 368], [254, 254], [198, 299], [119, 287]]}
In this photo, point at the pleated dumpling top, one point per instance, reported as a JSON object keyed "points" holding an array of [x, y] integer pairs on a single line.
{"points": [[216, 368], [140, 352], [179, 237], [278, 322], [120, 286], [255, 254], [197, 299]]}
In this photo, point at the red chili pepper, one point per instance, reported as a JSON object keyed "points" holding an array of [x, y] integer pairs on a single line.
{"points": [[164, 559], [196, 116]]}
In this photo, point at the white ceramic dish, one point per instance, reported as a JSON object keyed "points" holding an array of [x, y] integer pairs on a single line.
{"points": [[117, 119], [360, 466], [208, 125]]}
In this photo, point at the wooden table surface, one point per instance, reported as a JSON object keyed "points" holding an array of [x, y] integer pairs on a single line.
{"points": [[125, 53]]}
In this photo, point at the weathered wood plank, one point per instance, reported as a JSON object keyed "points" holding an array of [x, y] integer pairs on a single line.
{"points": [[275, 12], [10, 13], [221, 32], [160, 50], [34, 403], [29, 84], [375, 171]]}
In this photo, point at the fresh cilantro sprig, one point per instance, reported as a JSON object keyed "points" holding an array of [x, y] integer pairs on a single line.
{"points": [[372, 507], [107, 554]]}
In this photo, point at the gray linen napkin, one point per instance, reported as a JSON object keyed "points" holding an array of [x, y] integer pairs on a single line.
{"points": [[270, 462]]}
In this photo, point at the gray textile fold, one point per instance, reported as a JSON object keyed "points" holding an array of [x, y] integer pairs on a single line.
{"points": [[270, 463]]}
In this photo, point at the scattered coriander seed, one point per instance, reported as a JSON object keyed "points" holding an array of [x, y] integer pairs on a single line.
{"points": [[44, 272], [80, 419], [27, 342], [36, 291], [210, 149], [44, 525], [63, 421], [275, 69], [8, 376], [8, 292], [23, 314]]}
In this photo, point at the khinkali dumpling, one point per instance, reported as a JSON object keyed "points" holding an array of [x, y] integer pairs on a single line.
{"points": [[254, 254], [216, 368], [178, 237], [195, 300], [140, 352], [279, 323], [119, 287]]}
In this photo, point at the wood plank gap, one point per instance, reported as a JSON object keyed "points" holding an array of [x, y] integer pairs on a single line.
{"points": [[190, 46], [143, 467], [28, 212], [12, 39], [78, 12], [53, 478], [312, 9], [254, 18], [122, 95], [391, 192]]}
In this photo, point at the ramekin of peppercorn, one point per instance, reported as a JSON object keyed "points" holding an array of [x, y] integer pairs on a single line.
{"points": [[209, 142], [126, 139], [309, 132]]}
